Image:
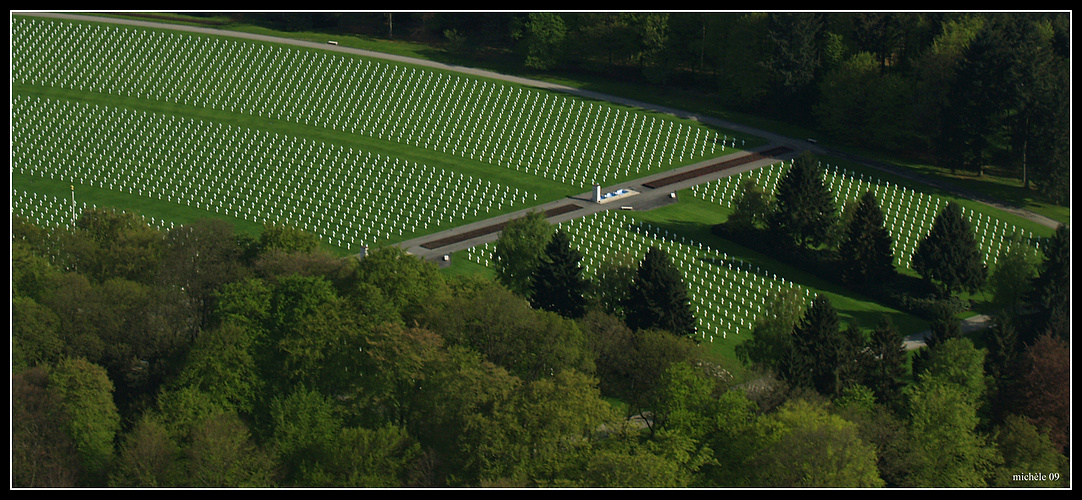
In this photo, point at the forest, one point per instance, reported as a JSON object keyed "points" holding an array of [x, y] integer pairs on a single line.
{"points": [[972, 92], [205, 357]]}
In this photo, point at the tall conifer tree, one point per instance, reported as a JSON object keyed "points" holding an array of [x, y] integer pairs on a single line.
{"points": [[804, 210], [1048, 302], [658, 297], [949, 254], [557, 283], [886, 367], [865, 252]]}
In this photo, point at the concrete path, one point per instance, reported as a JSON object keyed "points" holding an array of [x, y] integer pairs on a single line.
{"points": [[647, 198], [969, 325]]}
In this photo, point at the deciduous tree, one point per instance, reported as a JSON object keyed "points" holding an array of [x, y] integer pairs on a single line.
{"points": [[810, 447], [86, 395], [518, 250]]}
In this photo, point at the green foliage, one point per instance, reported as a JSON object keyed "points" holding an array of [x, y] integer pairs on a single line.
{"points": [[304, 428], [557, 284], [199, 258], [287, 239], [86, 395], [502, 326], [810, 447], [117, 244], [821, 356], [771, 337], [43, 455], [958, 362], [35, 334], [945, 450], [613, 283], [804, 212], [147, 458], [658, 297], [31, 273], [519, 249], [1049, 297], [244, 302], [949, 255], [546, 426], [223, 455], [408, 283], [631, 364], [751, 208], [858, 95], [792, 57], [865, 251], [222, 363], [542, 39], [886, 363], [1026, 449], [627, 463], [365, 458], [1010, 281]]}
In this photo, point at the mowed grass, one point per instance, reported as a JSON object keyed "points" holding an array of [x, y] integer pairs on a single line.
{"points": [[131, 89], [692, 217]]}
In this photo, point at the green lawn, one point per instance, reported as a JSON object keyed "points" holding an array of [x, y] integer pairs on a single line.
{"points": [[119, 80], [693, 218]]}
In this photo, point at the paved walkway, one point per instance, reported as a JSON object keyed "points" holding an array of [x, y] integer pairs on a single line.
{"points": [[646, 199], [969, 325]]}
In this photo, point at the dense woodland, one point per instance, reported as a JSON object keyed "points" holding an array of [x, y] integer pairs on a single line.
{"points": [[201, 357], [972, 92]]}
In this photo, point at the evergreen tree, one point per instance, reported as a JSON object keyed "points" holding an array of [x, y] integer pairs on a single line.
{"points": [[558, 284], [1012, 277], [1049, 299], [658, 297], [1003, 366], [886, 367], [821, 356], [865, 252], [804, 210], [949, 254]]}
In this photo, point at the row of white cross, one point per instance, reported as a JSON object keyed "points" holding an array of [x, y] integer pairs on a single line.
{"points": [[726, 294], [346, 196], [561, 138], [908, 214]]}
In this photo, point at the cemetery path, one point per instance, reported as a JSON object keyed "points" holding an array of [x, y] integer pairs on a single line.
{"points": [[971, 324]]}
